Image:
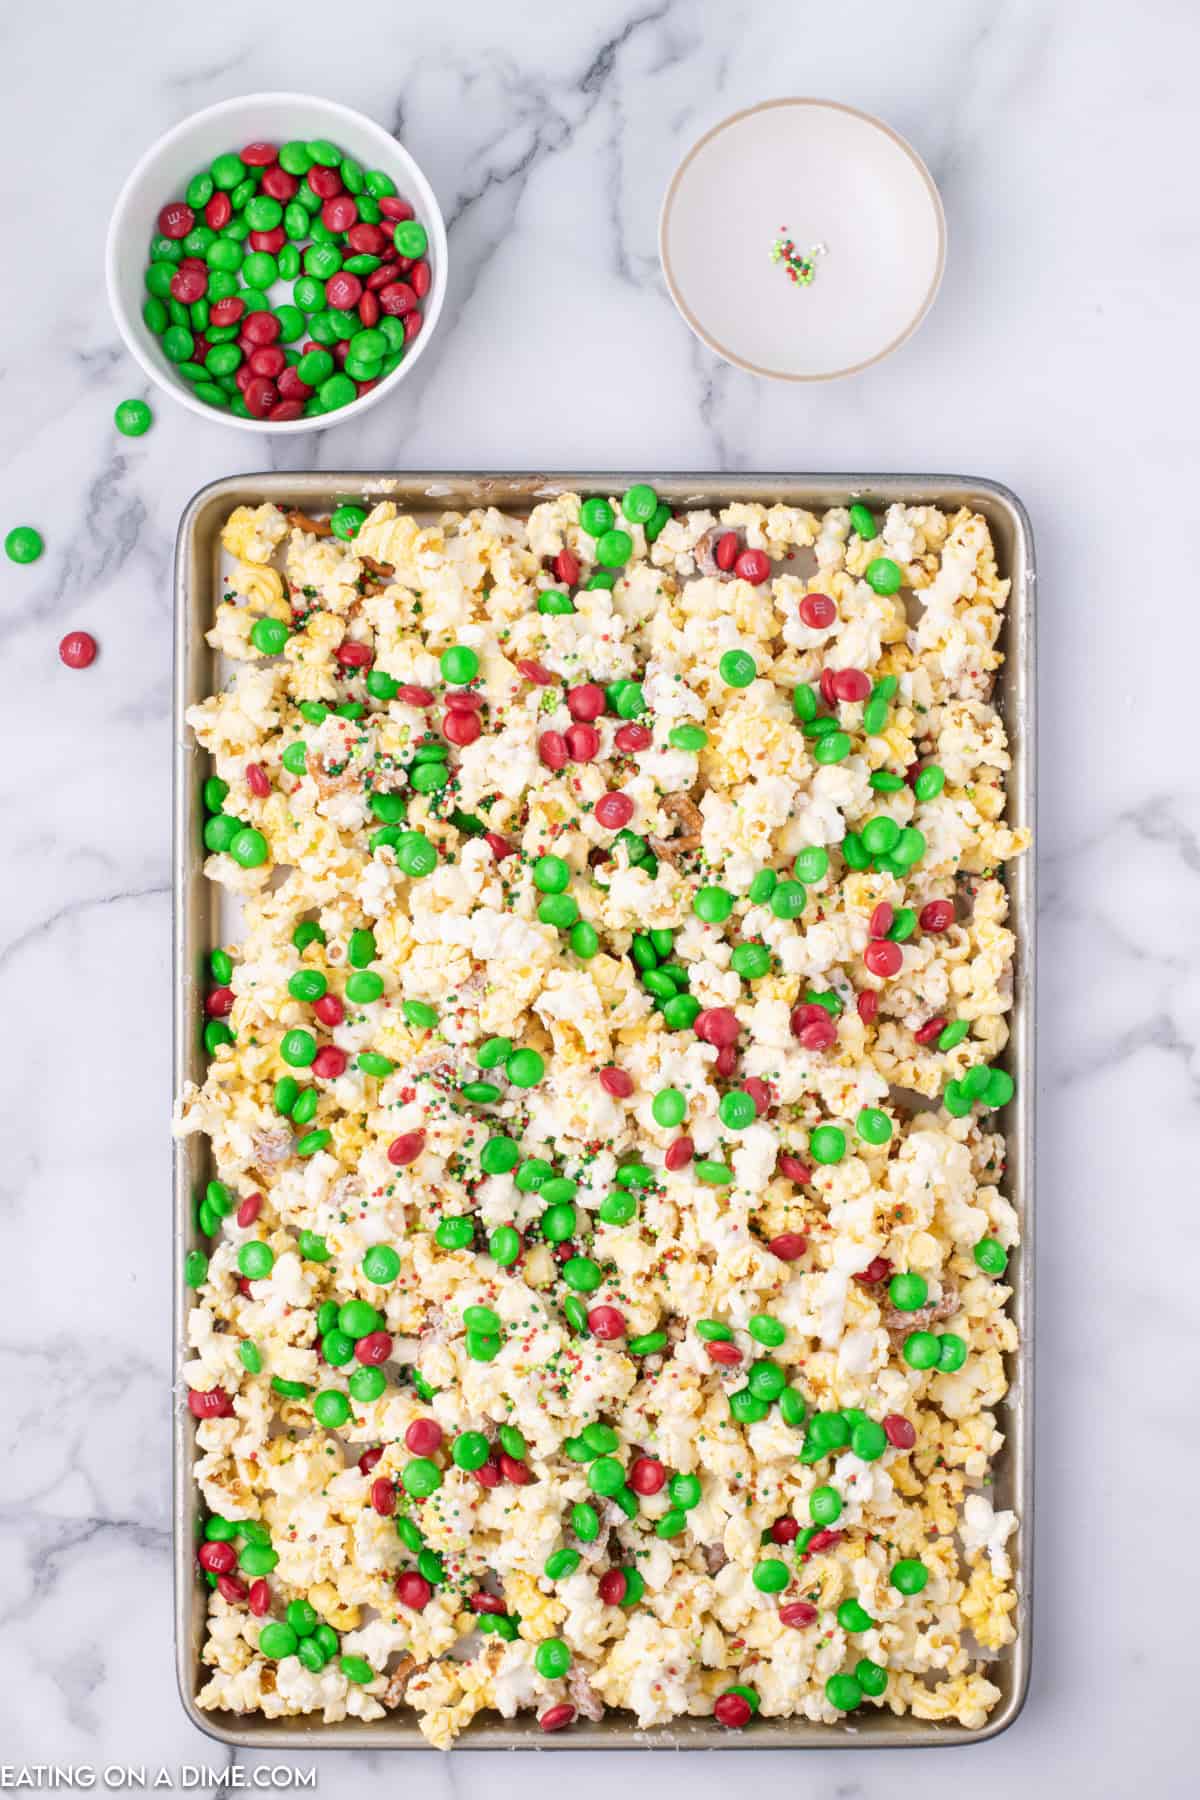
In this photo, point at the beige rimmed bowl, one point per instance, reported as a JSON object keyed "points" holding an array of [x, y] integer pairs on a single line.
{"points": [[826, 175]]}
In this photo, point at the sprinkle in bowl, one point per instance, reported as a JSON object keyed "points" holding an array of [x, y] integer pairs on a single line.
{"points": [[185, 156]]}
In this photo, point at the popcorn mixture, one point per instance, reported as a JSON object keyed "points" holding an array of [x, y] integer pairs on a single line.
{"points": [[604, 1305]]}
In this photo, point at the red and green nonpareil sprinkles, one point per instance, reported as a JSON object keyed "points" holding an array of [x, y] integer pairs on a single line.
{"points": [[799, 267]]}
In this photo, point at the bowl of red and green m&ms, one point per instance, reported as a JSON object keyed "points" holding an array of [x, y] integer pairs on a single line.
{"points": [[277, 262]]}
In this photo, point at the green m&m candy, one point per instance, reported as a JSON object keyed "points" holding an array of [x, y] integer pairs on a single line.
{"points": [[346, 521], [552, 1659], [771, 1576], [23, 544], [827, 1144], [298, 1048], [331, 1409], [921, 1350], [908, 1292], [614, 548], [504, 1245], [872, 1677], [738, 668], [249, 848], [751, 961], [909, 1576], [844, 1692], [255, 1260], [991, 1256], [811, 864], [873, 1125], [884, 575], [277, 1640], [640, 503], [421, 1477], [669, 1108], [133, 418], [459, 665], [713, 905], [824, 1506], [868, 1439], [381, 1264], [356, 1669], [737, 1110], [524, 1068]]}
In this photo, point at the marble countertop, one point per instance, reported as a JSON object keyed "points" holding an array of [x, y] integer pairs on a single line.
{"points": [[1054, 360]]}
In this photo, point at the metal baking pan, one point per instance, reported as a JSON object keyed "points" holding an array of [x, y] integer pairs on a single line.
{"points": [[196, 903]]}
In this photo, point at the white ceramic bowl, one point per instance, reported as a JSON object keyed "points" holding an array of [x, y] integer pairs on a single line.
{"points": [[164, 172], [826, 175]]}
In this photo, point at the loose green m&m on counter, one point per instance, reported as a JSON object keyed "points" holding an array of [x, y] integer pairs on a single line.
{"points": [[133, 418], [23, 544]]}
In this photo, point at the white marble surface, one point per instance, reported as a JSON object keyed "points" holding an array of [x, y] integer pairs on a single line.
{"points": [[1059, 358]]}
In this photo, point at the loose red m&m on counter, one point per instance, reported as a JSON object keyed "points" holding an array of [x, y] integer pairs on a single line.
{"points": [[77, 649], [287, 281]]}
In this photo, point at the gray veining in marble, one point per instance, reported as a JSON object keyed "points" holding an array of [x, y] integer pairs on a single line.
{"points": [[1059, 358]]}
